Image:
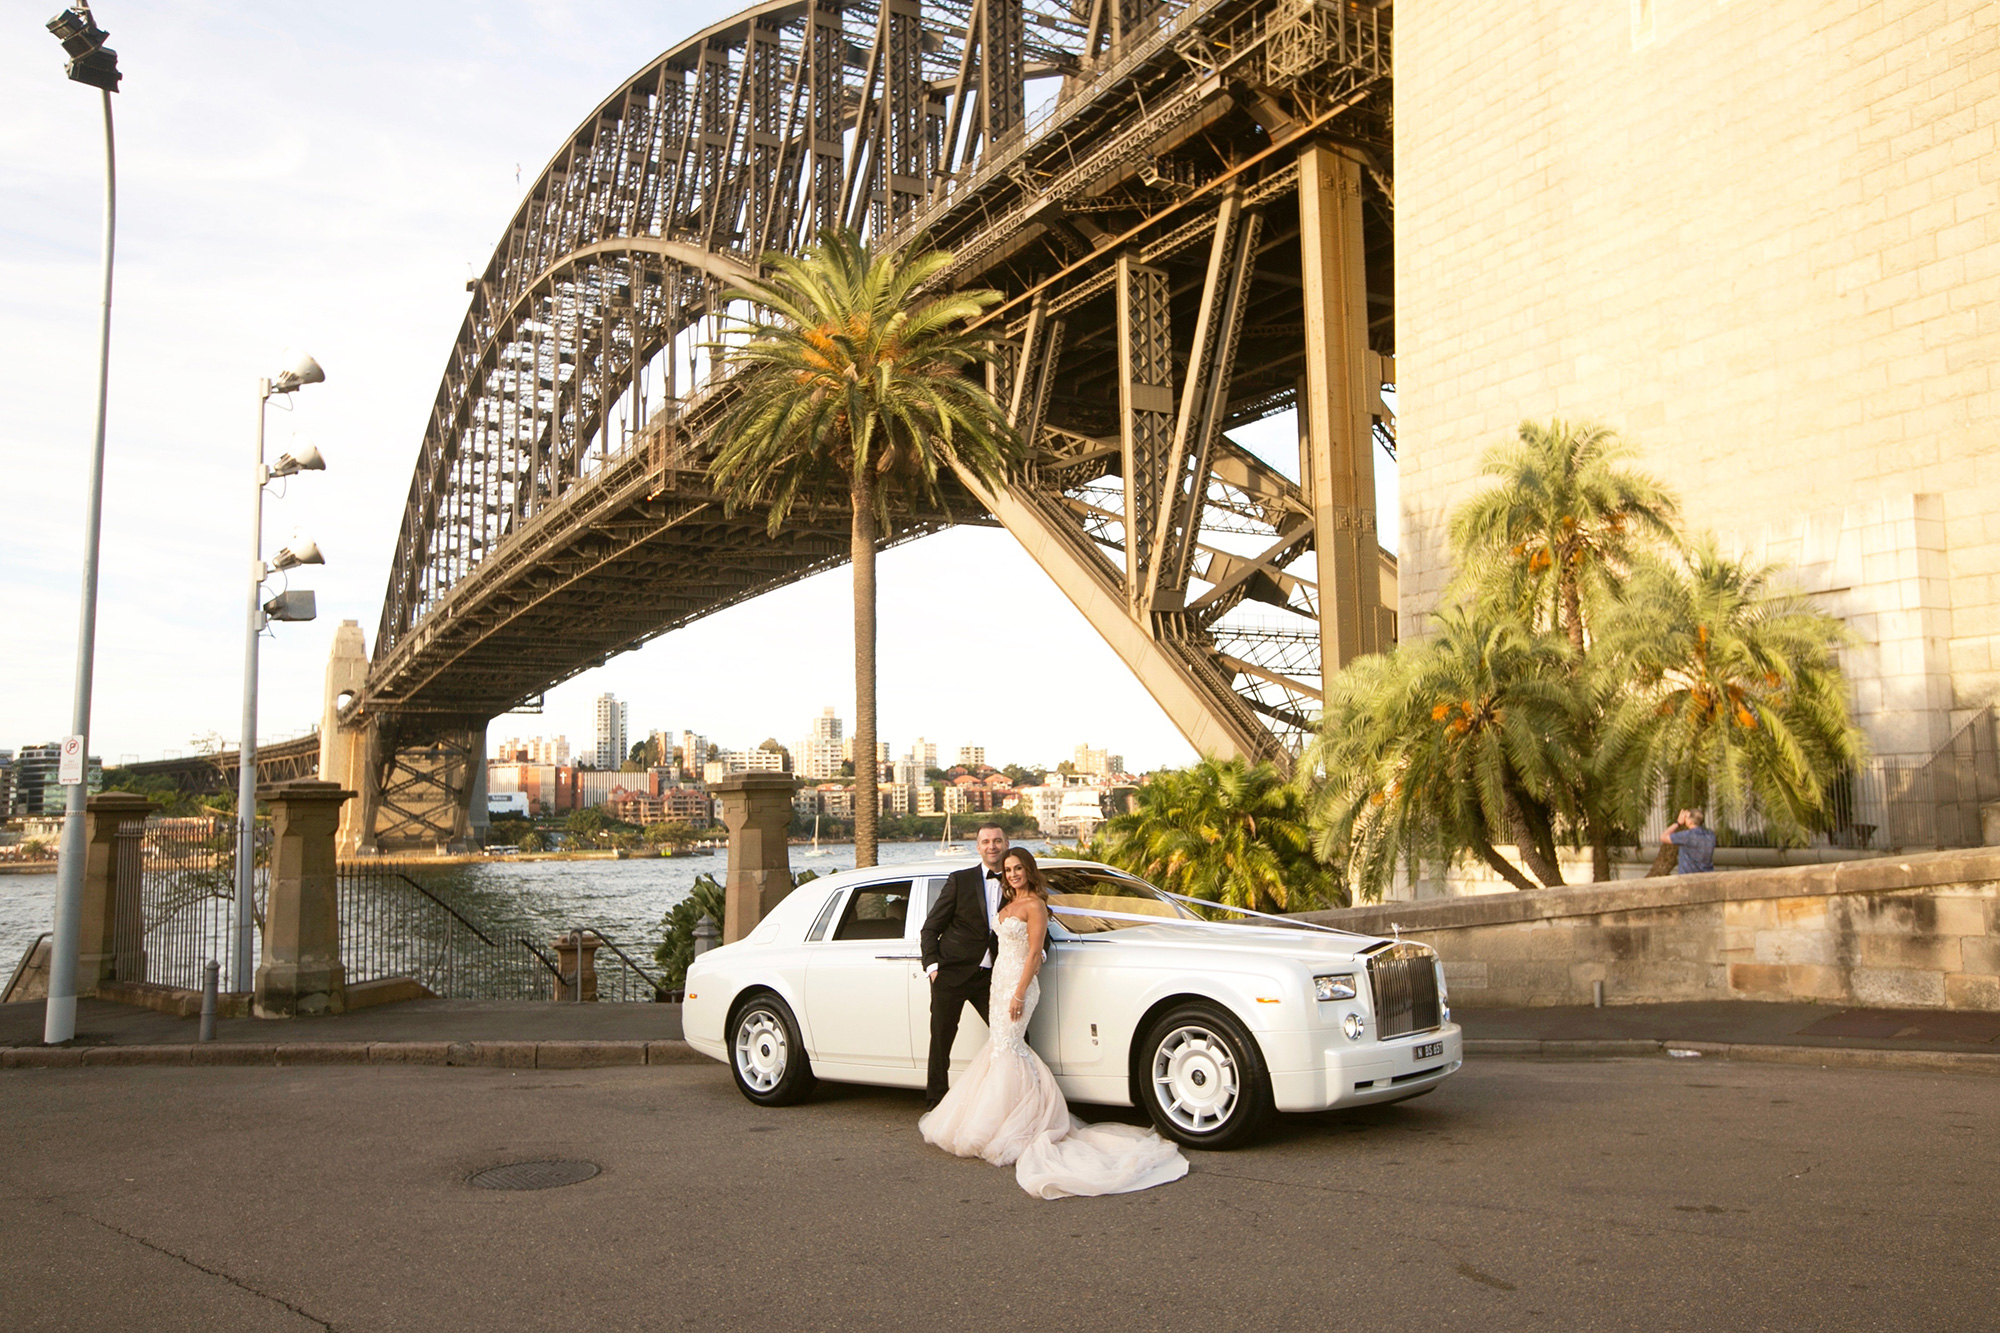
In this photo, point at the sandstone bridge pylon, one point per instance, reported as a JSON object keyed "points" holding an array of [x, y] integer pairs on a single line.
{"points": [[1188, 208]]}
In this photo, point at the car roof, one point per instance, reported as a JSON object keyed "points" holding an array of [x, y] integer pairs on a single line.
{"points": [[941, 865]]}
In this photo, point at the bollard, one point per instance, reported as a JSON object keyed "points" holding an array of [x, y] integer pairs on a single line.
{"points": [[1597, 995], [704, 935], [210, 980]]}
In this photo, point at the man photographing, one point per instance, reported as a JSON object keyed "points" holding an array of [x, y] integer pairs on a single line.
{"points": [[1695, 840], [958, 944]]}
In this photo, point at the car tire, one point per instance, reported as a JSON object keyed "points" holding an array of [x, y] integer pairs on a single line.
{"points": [[767, 1055], [1201, 1078]]}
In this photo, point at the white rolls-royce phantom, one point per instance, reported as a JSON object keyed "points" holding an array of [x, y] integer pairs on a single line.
{"points": [[1209, 1026]]}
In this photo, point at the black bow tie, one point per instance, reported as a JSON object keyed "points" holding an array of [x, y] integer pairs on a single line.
{"points": [[992, 874]]}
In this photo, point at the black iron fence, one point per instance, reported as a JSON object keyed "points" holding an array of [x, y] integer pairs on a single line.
{"points": [[1895, 804], [393, 926], [175, 907]]}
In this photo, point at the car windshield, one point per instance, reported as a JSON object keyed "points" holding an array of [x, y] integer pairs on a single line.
{"points": [[1077, 894]]}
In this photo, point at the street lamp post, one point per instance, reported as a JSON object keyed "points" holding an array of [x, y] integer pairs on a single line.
{"points": [[287, 606], [94, 64]]}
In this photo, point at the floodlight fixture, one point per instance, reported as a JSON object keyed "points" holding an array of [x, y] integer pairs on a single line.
{"points": [[304, 457], [90, 60], [300, 550], [305, 371]]}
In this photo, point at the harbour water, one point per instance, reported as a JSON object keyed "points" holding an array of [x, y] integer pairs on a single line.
{"points": [[624, 899]]}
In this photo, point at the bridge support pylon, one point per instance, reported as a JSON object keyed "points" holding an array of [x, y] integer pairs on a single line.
{"points": [[426, 795]]}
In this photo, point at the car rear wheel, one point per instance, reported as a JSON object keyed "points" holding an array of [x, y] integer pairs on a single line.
{"points": [[766, 1053], [1202, 1078]]}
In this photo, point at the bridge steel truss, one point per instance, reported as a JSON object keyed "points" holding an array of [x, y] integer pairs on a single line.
{"points": [[1187, 208]]}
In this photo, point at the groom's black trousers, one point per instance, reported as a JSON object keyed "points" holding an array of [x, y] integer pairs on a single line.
{"points": [[948, 1001]]}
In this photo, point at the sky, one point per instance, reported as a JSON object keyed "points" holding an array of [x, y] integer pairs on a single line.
{"points": [[324, 179]]}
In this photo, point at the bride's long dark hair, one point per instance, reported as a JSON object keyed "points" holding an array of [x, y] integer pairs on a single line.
{"points": [[1036, 884]]}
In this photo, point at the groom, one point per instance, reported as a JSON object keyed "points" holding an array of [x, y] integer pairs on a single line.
{"points": [[958, 942]]}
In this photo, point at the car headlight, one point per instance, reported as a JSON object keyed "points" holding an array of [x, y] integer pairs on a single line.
{"points": [[1337, 987]]}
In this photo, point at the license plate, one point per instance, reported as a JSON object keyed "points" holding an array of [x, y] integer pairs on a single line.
{"points": [[1429, 1050]]}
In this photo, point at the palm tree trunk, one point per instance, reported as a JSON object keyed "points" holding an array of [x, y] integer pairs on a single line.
{"points": [[1600, 850], [1502, 866], [1534, 839], [1572, 605], [867, 779]]}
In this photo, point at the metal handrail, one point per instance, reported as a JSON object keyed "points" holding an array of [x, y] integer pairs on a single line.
{"points": [[651, 980], [22, 966]]}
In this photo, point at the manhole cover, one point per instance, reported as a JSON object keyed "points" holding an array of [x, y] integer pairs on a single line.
{"points": [[534, 1175]]}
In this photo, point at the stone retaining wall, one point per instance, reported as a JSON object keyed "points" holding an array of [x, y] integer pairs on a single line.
{"points": [[1902, 932]]}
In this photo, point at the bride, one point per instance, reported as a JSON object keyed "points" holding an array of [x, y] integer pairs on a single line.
{"points": [[1006, 1106]]}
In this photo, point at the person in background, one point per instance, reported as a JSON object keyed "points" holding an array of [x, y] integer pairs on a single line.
{"points": [[1695, 841]]}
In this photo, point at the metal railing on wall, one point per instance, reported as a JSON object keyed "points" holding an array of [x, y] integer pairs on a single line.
{"points": [[1889, 804], [393, 925]]}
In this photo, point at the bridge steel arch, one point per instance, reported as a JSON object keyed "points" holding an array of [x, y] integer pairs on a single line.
{"points": [[1188, 209]]}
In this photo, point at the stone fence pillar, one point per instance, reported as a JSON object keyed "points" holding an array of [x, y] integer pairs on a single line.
{"points": [[757, 809], [577, 975], [113, 839], [302, 973]]}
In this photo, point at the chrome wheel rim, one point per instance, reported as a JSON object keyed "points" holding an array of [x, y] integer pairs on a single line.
{"points": [[761, 1049], [1196, 1078]]}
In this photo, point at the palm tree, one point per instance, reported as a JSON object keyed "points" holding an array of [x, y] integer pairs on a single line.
{"points": [[1450, 744], [849, 379], [1737, 690], [1565, 521], [1224, 830], [1555, 540]]}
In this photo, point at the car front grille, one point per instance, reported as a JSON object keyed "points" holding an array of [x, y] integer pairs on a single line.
{"points": [[1402, 978]]}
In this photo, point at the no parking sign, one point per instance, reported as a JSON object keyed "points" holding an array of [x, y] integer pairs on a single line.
{"points": [[69, 770]]}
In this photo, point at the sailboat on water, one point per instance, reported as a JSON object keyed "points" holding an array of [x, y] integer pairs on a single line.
{"points": [[946, 847], [817, 850]]}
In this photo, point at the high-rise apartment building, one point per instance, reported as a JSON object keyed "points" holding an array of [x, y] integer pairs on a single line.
{"points": [[972, 756], [1101, 763], [694, 751], [821, 753], [533, 750], [924, 752], [612, 746]]}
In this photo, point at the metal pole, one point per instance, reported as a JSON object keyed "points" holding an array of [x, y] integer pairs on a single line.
{"points": [[59, 1018], [240, 978]]}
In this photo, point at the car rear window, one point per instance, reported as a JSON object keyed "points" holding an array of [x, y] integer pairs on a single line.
{"points": [[876, 912], [1083, 892]]}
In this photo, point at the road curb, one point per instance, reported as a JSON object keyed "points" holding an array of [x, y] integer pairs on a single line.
{"points": [[291, 1054], [1828, 1057]]}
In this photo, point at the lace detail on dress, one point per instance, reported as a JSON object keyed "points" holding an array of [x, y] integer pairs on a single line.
{"points": [[1010, 1035]]}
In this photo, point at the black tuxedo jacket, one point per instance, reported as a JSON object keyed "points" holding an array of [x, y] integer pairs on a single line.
{"points": [[956, 933]]}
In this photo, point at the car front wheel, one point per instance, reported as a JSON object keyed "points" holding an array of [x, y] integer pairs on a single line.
{"points": [[766, 1053], [1203, 1080]]}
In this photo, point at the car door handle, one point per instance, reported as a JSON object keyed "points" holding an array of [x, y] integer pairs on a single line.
{"points": [[899, 957]]}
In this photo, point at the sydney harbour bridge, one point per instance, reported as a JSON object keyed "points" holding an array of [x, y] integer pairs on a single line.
{"points": [[1188, 210]]}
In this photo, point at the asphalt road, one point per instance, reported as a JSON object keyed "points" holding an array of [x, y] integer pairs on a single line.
{"points": [[1630, 1194]]}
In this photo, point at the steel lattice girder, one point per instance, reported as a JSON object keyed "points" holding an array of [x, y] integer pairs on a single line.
{"points": [[1144, 226]]}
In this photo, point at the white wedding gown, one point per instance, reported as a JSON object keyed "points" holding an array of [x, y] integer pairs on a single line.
{"points": [[1006, 1108]]}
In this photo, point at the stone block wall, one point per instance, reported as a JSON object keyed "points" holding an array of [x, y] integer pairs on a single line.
{"points": [[1760, 240], [1894, 932]]}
